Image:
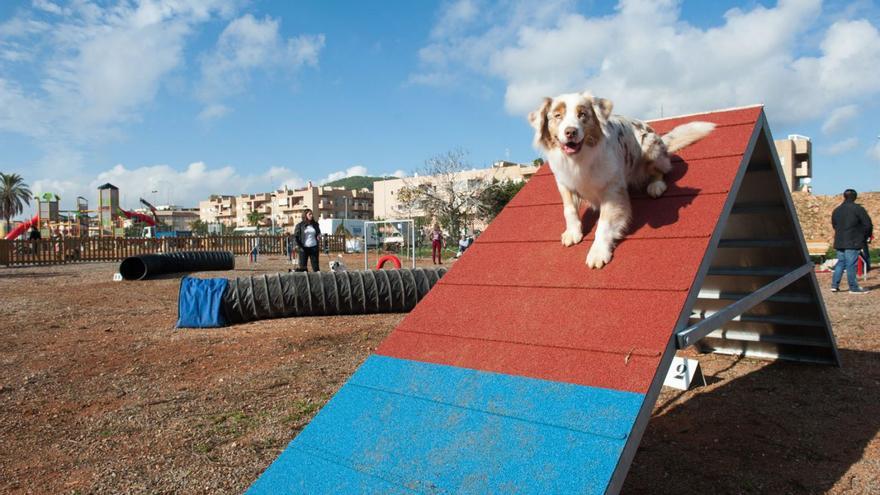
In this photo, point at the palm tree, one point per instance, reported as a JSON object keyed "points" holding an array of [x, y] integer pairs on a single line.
{"points": [[255, 218], [14, 195]]}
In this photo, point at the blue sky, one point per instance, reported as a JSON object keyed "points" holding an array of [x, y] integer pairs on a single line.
{"points": [[194, 97]]}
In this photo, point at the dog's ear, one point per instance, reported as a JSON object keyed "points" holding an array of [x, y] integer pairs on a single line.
{"points": [[602, 107], [538, 120]]}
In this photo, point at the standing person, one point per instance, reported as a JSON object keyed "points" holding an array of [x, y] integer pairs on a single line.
{"points": [[436, 244], [34, 236], [852, 226], [56, 239], [306, 235], [255, 251], [290, 249]]}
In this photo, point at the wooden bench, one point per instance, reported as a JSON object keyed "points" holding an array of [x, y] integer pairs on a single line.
{"points": [[818, 249]]}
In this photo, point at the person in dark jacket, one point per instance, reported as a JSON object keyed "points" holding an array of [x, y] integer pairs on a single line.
{"points": [[34, 236], [306, 236], [852, 228]]}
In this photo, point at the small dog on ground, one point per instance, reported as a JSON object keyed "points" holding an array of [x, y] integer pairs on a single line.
{"points": [[595, 156], [338, 265]]}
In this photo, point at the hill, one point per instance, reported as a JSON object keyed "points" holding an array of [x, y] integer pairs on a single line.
{"points": [[357, 182], [814, 213]]}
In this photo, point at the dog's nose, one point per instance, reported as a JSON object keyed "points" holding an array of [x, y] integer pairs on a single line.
{"points": [[571, 132]]}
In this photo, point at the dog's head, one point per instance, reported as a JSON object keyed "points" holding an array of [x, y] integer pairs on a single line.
{"points": [[570, 121], [337, 266]]}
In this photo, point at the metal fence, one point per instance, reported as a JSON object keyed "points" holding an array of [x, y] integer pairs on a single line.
{"points": [[87, 249]]}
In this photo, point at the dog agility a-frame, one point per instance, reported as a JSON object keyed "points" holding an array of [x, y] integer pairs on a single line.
{"points": [[523, 371]]}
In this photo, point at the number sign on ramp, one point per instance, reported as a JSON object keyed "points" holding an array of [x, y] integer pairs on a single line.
{"points": [[523, 371]]}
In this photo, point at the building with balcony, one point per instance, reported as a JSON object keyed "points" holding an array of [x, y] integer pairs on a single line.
{"points": [[285, 206], [386, 203], [218, 209], [796, 156], [172, 217]]}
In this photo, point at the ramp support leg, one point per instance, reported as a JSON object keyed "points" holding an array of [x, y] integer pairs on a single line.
{"points": [[694, 333]]}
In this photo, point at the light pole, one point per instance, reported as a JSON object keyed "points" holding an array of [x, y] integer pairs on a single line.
{"points": [[272, 214]]}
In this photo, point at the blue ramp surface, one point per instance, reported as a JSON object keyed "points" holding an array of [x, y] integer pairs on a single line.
{"points": [[400, 426]]}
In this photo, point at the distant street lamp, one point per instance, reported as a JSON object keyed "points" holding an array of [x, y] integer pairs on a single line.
{"points": [[346, 213]]}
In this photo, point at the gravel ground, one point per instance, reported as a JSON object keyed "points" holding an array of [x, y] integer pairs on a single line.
{"points": [[99, 393]]}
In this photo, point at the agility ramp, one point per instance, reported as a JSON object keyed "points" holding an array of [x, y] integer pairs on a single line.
{"points": [[523, 371]]}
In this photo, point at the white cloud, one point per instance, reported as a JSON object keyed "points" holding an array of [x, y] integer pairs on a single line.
{"points": [[645, 55], [184, 187], [874, 151], [97, 65], [349, 172], [842, 146], [248, 44], [195, 183], [213, 111], [19, 26], [839, 117], [455, 17], [47, 6], [281, 177]]}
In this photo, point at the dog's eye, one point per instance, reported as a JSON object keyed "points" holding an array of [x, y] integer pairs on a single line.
{"points": [[582, 115], [557, 116]]}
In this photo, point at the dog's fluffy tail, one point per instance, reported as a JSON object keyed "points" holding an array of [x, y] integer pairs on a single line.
{"points": [[686, 134]]}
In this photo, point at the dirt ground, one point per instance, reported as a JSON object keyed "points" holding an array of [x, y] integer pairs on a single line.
{"points": [[99, 393]]}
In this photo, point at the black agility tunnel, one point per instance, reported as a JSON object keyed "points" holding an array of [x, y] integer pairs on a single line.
{"points": [[218, 302], [148, 265]]}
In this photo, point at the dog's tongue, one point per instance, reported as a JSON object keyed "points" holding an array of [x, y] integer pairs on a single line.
{"points": [[571, 148]]}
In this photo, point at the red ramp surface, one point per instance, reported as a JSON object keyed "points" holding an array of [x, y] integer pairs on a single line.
{"points": [[521, 303]]}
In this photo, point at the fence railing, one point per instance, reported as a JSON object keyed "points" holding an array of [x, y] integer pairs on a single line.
{"points": [[86, 249]]}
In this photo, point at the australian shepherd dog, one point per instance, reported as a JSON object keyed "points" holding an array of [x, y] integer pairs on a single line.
{"points": [[596, 156]]}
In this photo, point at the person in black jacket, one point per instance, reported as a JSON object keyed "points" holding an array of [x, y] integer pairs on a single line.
{"points": [[852, 228], [307, 236]]}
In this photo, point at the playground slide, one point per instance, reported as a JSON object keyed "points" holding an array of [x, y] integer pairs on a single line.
{"points": [[140, 217], [22, 228]]}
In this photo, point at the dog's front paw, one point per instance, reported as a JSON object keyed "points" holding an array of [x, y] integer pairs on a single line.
{"points": [[656, 188], [599, 256], [571, 237]]}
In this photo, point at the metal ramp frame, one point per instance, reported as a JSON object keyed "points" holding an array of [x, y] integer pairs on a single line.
{"points": [[523, 371], [758, 295]]}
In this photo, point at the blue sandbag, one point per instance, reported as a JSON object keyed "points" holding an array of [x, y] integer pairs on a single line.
{"points": [[200, 303]]}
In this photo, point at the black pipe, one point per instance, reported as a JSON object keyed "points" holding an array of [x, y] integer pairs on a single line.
{"points": [[148, 265], [326, 293]]}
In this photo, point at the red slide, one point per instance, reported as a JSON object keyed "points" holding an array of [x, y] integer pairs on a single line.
{"points": [[22, 228], [140, 217]]}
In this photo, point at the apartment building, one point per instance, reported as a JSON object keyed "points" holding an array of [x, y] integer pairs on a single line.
{"points": [[385, 200], [286, 205], [218, 209], [796, 156], [172, 216]]}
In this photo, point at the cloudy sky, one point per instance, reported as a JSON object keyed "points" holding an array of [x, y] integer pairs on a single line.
{"points": [[174, 100]]}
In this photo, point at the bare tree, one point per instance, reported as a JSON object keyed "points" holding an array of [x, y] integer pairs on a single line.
{"points": [[444, 191]]}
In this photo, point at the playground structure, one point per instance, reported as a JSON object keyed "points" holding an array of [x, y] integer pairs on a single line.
{"points": [[50, 219], [391, 236], [541, 377], [105, 221]]}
